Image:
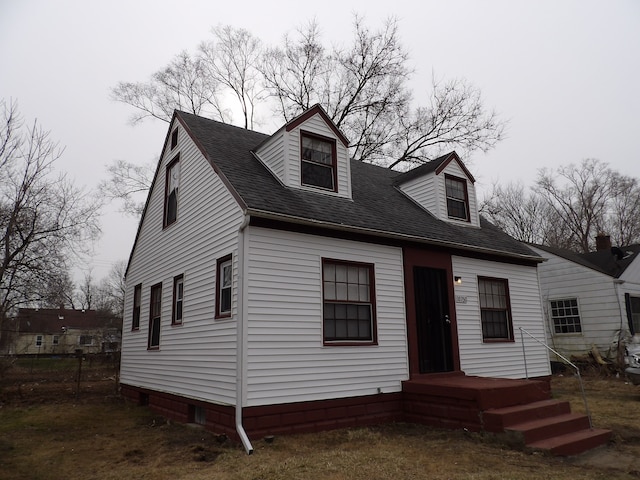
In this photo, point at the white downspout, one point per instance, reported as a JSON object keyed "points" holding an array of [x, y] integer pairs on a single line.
{"points": [[240, 337]]}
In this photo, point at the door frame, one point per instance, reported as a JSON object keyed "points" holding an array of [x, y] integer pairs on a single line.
{"points": [[414, 257]]}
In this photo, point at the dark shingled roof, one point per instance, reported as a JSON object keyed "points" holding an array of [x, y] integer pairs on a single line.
{"points": [[612, 262], [378, 207], [51, 320]]}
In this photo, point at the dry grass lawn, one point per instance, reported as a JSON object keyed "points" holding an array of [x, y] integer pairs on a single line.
{"points": [[48, 433]]}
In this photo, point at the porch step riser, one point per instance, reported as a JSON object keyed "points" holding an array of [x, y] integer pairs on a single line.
{"points": [[573, 443], [549, 428], [497, 420]]}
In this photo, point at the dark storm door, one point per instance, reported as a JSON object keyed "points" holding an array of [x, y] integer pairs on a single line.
{"points": [[435, 351]]}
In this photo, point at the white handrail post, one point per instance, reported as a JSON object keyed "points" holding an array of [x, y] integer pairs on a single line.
{"points": [[584, 396], [524, 354]]}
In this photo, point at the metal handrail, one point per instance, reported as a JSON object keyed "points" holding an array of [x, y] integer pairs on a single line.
{"points": [[524, 354]]}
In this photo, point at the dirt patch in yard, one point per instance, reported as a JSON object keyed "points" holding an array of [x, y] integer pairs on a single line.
{"points": [[51, 430]]}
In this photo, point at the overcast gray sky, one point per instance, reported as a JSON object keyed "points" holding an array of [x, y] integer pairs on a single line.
{"points": [[565, 74]]}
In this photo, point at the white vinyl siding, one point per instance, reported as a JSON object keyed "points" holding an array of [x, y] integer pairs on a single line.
{"points": [[196, 360], [500, 359], [601, 302], [422, 190], [286, 359], [271, 154]]}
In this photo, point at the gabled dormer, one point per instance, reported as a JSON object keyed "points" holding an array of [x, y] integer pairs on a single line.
{"points": [[445, 188], [309, 153]]}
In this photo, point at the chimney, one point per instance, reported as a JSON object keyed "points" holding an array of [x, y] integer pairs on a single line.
{"points": [[603, 242]]}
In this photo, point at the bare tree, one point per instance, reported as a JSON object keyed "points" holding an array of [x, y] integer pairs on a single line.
{"points": [[182, 85], [580, 196], [622, 221], [59, 291], [454, 119], [568, 207], [519, 212], [361, 86], [111, 290], [44, 218], [230, 59], [128, 182]]}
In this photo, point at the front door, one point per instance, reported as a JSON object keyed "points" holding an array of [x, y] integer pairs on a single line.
{"points": [[435, 351]]}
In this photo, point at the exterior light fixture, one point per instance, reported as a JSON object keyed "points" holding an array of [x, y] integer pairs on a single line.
{"points": [[457, 280]]}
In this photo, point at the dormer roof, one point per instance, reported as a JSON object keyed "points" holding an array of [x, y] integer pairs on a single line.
{"points": [[317, 110], [437, 165]]}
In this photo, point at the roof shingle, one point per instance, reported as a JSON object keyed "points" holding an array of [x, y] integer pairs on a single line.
{"points": [[377, 208]]}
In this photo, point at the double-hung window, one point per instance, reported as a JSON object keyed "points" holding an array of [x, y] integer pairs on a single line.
{"points": [[137, 300], [495, 309], [39, 340], [565, 315], [155, 314], [318, 161], [457, 198], [178, 297], [172, 182], [349, 302], [224, 278]]}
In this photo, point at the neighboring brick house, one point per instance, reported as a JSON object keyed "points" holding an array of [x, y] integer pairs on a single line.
{"points": [[56, 331]]}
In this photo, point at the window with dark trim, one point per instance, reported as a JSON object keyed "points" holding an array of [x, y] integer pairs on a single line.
{"points": [[457, 197], [178, 296], [318, 161], [155, 315], [348, 302], [137, 301], [174, 139], [565, 315], [633, 313], [172, 182], [55, 340], [86, 340], [495, 309], [224, 281]]}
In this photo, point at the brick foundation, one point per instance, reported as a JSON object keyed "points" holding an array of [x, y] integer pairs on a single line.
{"points": [[303, 417]]}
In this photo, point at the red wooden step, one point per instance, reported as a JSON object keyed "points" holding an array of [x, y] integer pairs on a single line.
{"points": [[573, 443], [541, 428], [497, 419]]}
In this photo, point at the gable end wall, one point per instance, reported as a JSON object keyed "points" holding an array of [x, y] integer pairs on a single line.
{"points": [[197, 358]]}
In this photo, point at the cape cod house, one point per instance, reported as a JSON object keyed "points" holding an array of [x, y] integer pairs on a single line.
{"points": [[276, 286], [591, 299]]}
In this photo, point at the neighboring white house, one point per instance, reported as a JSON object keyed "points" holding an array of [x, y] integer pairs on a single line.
{"points": [[270, 273], [590, 299]]}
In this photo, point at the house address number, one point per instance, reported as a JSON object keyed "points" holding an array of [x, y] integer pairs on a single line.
{"points": [[461, 299]]}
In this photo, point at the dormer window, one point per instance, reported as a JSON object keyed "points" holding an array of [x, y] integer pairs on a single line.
{"points": [[457, 198], [318, 161]]}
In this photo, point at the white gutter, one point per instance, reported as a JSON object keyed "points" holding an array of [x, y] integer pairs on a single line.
{"points": [[240, 336]]}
